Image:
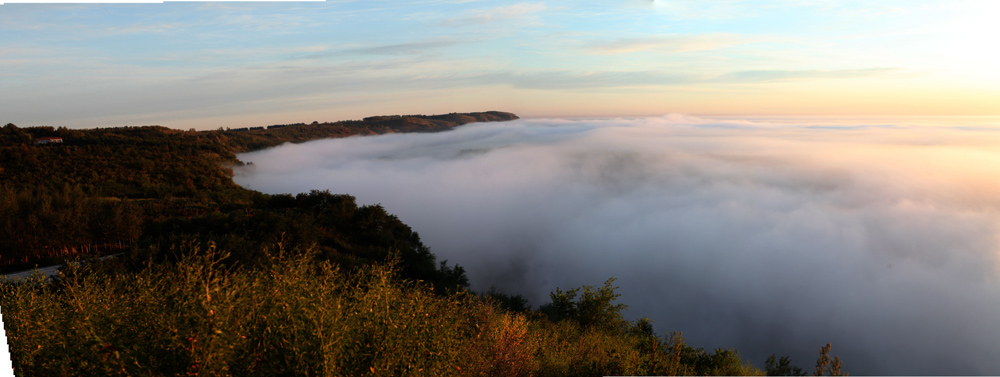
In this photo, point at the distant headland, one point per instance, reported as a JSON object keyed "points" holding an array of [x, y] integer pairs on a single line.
{"points": [[253, 138]]}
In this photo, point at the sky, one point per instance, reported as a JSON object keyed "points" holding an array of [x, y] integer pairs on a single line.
{"points": [[825, 171], [206, 65], [768, 235]]}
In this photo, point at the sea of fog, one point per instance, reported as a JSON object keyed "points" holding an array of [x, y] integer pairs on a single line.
{"points": [[769, 235]]}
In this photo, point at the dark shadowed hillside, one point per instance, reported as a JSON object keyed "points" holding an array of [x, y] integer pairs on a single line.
{"points": [[103, 190]]}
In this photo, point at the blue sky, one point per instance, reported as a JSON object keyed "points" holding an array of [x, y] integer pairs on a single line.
{"points": [[232, 64]]}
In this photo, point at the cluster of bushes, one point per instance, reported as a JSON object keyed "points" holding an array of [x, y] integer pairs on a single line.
{"points": [[334, 225], [299, 314]]}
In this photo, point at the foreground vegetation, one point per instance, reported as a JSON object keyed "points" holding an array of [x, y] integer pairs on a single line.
{"points": [[214, 279], [303, 315]]}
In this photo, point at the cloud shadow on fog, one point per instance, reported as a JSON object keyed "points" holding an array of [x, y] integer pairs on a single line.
{"points": [[741, 234]]}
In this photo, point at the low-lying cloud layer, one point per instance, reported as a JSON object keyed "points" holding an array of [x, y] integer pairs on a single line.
{"points": [[767, 237]]}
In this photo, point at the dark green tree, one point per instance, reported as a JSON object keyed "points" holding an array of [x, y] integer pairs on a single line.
{"points": [[595, 308], [781, 367]]}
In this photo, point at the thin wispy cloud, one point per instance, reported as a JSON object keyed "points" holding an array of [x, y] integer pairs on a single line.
{"points": [[229, 91], [266, 22], [670, 43], [254, 54], [148, 28], [445, 1], [517, 12], [782, 75], [410, 48], [562, 80]]}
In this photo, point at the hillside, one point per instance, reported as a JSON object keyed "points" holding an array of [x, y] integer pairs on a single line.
{"points": [[214, 279], [105, 190]]}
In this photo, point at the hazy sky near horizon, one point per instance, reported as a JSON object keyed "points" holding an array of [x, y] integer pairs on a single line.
{"points": [[235, 64], [766, 235]]}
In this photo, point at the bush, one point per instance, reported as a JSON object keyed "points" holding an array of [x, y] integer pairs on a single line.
{"points": [[298, 315], [594, 309], [198, 317]]}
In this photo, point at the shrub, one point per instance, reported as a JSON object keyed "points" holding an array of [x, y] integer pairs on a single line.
{"points": [[198, 317]]}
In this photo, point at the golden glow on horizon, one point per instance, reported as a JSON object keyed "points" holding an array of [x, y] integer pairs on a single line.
{"points": [[860, 99], [711, 58]]}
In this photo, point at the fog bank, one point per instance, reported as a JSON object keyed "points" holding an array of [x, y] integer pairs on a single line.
{"points": [[764, 235]]}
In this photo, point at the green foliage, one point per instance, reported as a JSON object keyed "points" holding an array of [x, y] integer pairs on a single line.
{"points": [[567, 349], [723, 362], [104, 187], [297, 314], [824, 363], [334, 225], [782, 367], [594, 309], [40, 226], [12, 135], [589, 336], [304, 316], [512, 303], [197, 316]]}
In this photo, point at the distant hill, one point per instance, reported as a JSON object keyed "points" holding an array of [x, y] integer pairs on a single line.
{"points": [[446, 120], [254, 138]]}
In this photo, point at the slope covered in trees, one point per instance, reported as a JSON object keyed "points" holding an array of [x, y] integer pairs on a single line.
{"points": [[102, 190]]}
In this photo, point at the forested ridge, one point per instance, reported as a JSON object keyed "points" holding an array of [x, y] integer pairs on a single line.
{"points": [[214, 279], [105, 189]]}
